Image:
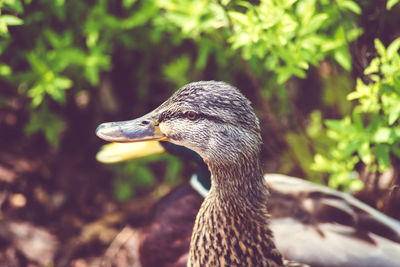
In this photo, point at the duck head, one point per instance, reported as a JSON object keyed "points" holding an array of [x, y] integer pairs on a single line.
{"points": [[211, 118]]}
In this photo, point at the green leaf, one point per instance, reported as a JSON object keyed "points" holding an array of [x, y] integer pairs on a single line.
{"points": [[383, 135], [390, 103], [202, 56], [240, 17], [356, 185], [288, 3], [375, 123], [13, 5], [283, 75], [176, 70], [62, 83], [5, 70], [391, 3], [393, 48], [299, 72], [174, 166], [321, 163], [128, 3], [373, 66], [342, 56], [56, 94], [354, 33], [11, 20], [144, 177], [357, 121], [315, 23], [380, 48], [364, 152], [394, 115], [59, 3], [37, 93], [305, 10], [122, 190], [353, 146], [383, 156], [350, 5], [338, 125], [47, 122]]}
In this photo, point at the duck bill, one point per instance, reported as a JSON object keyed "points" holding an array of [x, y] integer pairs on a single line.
{"points": [[119, 152], [138, 130]]}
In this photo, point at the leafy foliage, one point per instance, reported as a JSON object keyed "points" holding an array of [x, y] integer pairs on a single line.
{"points": [[43, 120], [286, 36], [290, 35], [7, 19], [371, 135], [52, 51], [136, 176], [283, 36]]}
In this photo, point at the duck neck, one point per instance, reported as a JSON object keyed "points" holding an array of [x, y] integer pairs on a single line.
{"points": [[231, 228], [233, 181]]}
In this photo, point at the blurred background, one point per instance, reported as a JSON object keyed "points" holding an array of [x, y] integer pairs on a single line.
{"points": [[323, 76]]}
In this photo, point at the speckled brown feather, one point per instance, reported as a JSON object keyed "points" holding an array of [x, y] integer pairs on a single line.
{"points": [[231, 227], [228, 235]]}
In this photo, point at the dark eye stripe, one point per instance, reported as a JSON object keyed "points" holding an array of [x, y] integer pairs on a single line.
{"points": [[167, 115], [210, 117]]}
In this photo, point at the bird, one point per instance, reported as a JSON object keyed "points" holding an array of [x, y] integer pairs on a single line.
{"points": [[304, 215], [215, 120]]}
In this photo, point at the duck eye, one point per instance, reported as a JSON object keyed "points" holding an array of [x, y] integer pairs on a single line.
{"points": [[191, 115]]}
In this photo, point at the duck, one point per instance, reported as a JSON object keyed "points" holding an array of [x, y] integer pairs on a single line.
{"points": [[217, 122], [311, 229]]}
